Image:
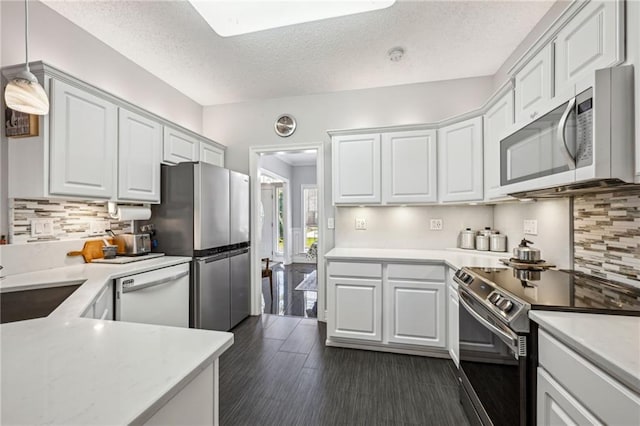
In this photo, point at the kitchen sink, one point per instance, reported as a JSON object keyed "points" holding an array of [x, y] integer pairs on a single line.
{"points": [[33, 303]]}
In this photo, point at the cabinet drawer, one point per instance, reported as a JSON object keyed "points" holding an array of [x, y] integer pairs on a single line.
{"points": [[352, 269], [416, 272], [608, 399]]}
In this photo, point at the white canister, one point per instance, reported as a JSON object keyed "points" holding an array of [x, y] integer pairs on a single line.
{"points": [[498, 242], [468, 239], [482, 242]]}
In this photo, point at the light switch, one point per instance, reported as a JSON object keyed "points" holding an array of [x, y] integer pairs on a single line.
{"points": [[42, 227], [331, 224]]}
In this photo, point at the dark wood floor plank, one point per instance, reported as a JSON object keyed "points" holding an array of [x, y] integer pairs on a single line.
{"points": [[281, 327], [299, 381]]}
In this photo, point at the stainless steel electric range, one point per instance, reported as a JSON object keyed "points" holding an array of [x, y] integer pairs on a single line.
{"points": [[498, 342]]}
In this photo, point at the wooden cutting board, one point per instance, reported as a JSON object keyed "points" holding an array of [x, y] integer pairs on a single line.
{"points": [[91, 250]]}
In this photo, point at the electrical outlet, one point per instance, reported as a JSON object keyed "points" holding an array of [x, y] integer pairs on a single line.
{"points": [[331, 223], [42, 227], [530, 226], [436, 225], [97, 227], [361, 223]]}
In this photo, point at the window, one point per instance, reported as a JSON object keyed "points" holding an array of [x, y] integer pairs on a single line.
{"points": [[309, 215]]}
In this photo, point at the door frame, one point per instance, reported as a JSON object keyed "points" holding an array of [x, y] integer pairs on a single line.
{"points": [[256, 269], [286, 256]]}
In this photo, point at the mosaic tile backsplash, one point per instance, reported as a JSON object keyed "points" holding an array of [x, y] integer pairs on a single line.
{"points": [[607, 235], [71, 219]]}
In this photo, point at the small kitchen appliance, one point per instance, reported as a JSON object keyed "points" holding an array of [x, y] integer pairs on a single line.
{"points": [[133, 244]]}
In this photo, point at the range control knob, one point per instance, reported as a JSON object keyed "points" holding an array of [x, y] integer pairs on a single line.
{"points": [[505, 305], [494, 298]]}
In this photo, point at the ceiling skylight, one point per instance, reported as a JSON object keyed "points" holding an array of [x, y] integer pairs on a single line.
{"points": [[229, 18]]}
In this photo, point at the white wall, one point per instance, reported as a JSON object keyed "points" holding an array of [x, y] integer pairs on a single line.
{"points": [[275, 165], [247, 124], [408, 227], [66, 46], [554, 227]]}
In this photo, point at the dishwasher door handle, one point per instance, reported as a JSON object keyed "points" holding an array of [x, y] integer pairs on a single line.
{"points": [[126, 288]]}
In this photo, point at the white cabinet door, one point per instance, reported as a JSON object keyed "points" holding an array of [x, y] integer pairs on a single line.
{"points": [[355, 308], [593, 39], [179, 147], [103, 306], [415, 313], [496, 120], [356, 169], [460, 161], [453, 323], [209, 153], [534, 86], [139, 157], [409, 167], [84, 132], [555, 406]]}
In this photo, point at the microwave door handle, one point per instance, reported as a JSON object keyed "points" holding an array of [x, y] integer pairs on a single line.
{"points": [[562, 134]]}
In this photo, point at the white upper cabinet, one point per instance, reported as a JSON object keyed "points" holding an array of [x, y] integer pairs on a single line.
{"points": [[533, 86], [139, 156], [209, 153], [409, 167], [179, 147], [496, 120], [593, 39], [84, 132], [460, 161], [356, 169]]}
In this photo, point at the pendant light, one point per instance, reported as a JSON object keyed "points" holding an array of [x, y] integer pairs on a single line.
{"points": [[24, 93]]}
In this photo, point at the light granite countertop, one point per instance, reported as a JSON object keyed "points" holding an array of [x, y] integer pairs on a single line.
{"points": [[612, 342], [454, 258], [64, 369]]}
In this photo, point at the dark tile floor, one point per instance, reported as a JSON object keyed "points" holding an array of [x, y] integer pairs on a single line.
{"points": [[279, 372], [286, 300]]}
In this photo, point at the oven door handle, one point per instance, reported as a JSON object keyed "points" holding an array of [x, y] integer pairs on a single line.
{"points": [[511, 340], [562, 135]]}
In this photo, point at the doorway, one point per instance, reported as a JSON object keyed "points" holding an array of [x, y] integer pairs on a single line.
{"points": [[286, 214]]}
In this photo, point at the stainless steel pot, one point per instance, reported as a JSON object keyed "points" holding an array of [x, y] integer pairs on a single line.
{"points": [[524, 253], [526, 274], [498, 242], [468, 239]]}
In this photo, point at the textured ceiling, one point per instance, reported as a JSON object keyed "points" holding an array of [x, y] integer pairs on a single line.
{"points": [[443, 40]]}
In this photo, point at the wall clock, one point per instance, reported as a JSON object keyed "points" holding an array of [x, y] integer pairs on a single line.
{"points": [[285, 125]]}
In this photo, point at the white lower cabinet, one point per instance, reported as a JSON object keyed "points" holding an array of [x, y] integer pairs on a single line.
{"points": [[388, 304], [415, 313], [102, 307], [572, 390], [556, 406], [356, 308], [453, 328]]}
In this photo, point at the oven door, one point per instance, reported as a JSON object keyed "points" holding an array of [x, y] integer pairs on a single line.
{"points": [[492, 367]]}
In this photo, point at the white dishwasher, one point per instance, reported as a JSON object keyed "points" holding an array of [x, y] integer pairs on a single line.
{"points": [[158, 297]]}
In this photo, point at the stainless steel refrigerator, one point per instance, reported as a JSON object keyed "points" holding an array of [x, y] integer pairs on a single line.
{"points": [[204, 213]]}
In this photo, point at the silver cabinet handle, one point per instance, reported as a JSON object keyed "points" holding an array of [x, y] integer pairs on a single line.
{"points": [[504, 336], [154, 283], [533, 114], [562, 135], [104, 314]]}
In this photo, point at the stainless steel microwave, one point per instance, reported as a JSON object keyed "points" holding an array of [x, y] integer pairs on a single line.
{"points": [[585, 137]]}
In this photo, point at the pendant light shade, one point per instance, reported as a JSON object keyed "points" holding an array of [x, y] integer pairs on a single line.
{"points": [[24, 93]]}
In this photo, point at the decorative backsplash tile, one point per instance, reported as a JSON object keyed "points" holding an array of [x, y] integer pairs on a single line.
{"points": [[607, 235], [71, 219]]}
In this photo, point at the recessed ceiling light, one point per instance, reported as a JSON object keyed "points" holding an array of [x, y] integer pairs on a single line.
{"points": [[395, 54], [229, 18]]}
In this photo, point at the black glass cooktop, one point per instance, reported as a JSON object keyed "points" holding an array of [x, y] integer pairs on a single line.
{"points": [[565, 290]]}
